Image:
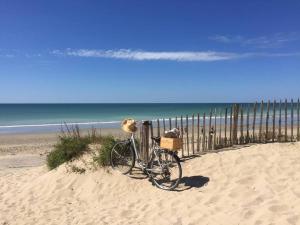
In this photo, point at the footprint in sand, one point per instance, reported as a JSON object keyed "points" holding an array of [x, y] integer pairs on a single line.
{"points": [[278, 208], [246, 180], [293, 220], [248, 214], [212, 200]]}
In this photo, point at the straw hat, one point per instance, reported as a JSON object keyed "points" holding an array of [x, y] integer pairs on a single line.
{"points": [[129, 125]]}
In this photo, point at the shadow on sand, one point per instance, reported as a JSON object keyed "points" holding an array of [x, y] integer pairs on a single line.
{"points": [[187, 183]]}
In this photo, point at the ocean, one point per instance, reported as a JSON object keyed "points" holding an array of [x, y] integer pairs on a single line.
{"points": [[20, 118]]}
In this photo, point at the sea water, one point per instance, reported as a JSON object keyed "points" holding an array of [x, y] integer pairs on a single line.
{"points": [[16, 118]]}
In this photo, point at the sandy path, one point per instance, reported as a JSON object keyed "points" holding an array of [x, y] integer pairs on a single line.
{"points": [[255, 185]]}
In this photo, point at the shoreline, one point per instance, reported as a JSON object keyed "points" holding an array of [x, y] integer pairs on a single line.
{"points": [[40, 143]]}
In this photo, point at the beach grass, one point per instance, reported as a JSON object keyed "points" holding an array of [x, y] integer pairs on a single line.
{"points": [[103, 157], [72, 144], [65, 150]]}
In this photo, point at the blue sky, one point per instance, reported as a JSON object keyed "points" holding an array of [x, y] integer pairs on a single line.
{"points": [[149, 51]]}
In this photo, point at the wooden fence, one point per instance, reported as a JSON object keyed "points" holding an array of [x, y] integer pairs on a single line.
{"points": [[237, 124]]}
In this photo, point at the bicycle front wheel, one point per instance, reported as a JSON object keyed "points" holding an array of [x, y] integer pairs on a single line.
{"points": [[122, 157], [165, 169]]}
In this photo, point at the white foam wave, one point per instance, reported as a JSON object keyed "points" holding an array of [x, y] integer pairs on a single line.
{"points": [[58, 124]]}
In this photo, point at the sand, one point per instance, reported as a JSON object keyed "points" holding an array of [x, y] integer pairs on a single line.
{"points": [[259, 184]]}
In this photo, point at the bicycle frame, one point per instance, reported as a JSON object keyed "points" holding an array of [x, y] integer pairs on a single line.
{"points": [[138, 159], [134, 147]]}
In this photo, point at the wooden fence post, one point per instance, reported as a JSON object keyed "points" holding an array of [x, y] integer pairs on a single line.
{"points": [[176, 125], [261, 120], [215, 130], [151, 131], [225, 132], [181, 131], [248, 121], [145, 138], [203, 133], [279, 137], [164, 123], [220, 129], [141, 142], [187, 135], [242, 126], [235, 123], [170, 123], [198, 132], [230, 128], [209, 131], [254, 122], [298, 120], [193, 137], [267, 121], [158, 128], [274, 116], [292, 120], [285, 120]]}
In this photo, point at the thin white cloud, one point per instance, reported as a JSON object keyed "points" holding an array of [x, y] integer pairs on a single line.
{"points": [[128, 54], [14, 53], [203, 56], [272, 41]]}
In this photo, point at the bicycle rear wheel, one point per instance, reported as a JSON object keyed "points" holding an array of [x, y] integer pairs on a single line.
{"points": [[122, 157], [165, 169]]}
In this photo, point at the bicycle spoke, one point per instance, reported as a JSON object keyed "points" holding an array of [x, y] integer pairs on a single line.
{"points": [[165, 171], [122, 157]]}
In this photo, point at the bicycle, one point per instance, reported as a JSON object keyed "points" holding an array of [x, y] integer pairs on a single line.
{"points": [[163, 168]]}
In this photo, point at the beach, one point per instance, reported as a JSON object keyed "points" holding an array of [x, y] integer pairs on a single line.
{"points": [[149, 113], [255, 184]]}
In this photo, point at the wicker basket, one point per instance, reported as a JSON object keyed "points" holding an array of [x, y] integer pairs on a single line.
{"points": [[171, 143]]}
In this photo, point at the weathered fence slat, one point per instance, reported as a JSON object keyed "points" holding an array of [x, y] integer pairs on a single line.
{"points": [[151, 132], [215, 130], [260, 121], [242, 127], [279, 137], [158, 128], [298, 120], [225, 131], [267, 122], [292, 120], [164, 124], [230, 128], [198, 132], [235, 123], [181, 132], [187, 135], [193, 130], [254, 122], [176, 125], [170, 123], [203, 133], [285, 121], [220, 129], [273, 123], [248, 121], [146, 138], [209, 131]]}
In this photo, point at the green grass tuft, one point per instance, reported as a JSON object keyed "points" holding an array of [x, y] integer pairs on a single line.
{"points": [[66, 149], [103, 157]]}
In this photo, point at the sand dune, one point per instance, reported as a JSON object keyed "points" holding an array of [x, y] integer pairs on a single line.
{"points": [[254, 185]]}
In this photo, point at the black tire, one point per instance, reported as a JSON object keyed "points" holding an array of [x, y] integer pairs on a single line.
{"points": [[163, 177], [122, 157]]}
